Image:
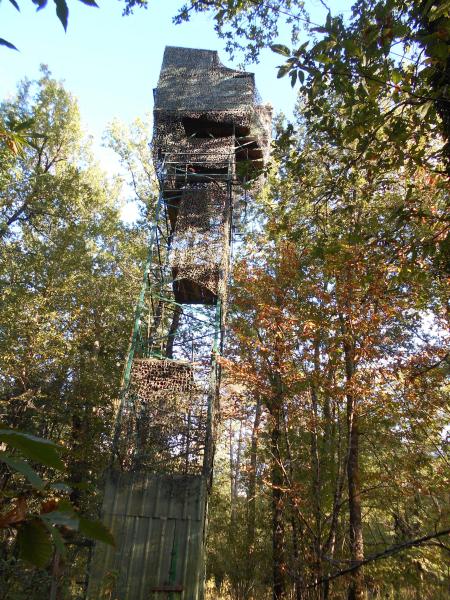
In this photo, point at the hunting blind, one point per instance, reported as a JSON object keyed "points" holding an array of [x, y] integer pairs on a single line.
{"points": [[210, 143]]}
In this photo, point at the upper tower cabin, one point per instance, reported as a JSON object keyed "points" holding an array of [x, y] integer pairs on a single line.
{"points": [[205, 112], [211, 133]]}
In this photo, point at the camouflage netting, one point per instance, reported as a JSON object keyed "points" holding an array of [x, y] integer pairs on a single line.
{"points": [[199, 97], [149, 376], [199, 253], [193, 79], [198, 152], [163, 425], [209, 127]]}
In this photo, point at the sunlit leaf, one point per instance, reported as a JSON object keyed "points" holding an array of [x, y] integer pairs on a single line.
{"points": [[280, 49], [34, 448], [283, 70]]}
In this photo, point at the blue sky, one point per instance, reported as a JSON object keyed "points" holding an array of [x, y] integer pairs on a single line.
{"points": [[111, 63]]}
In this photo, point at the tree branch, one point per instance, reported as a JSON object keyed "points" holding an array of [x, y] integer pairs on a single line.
{"points": [[381, 555]]}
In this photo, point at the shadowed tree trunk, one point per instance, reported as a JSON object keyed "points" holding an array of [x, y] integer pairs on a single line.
{"points": [[279, 580], [356, 587], [297, 576], [251, 491], [315, 461], [173, 331]]}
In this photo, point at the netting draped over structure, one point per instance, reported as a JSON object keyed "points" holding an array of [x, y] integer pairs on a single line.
{"points": [[198, 97], [167, 416], [199, 254], [211, 137]]}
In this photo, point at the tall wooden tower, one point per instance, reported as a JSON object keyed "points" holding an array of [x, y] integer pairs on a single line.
{"points": [[211, 138]]}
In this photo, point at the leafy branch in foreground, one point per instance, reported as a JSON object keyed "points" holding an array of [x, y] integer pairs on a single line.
{"points": [[387, 63], [16, 135], [41, 516]]}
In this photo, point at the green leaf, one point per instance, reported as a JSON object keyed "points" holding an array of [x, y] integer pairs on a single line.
{"points": [[280, 49], [66, 506], [4, 42], [283, 70], [423, 110], [439, 11], [96, 530], [37, 449], [318, 251], [60, 487], [301, 49], [34, 543], [293, 78], [351, 47], [63, 518], [24, 125], [438, 51], [62, 12], [364, 86], [396, 76], [89, 3], [14, 3], [23, 468], [324, 59]]}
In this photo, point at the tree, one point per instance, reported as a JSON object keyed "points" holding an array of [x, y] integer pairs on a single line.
{"points": [[69, 273], [388, 66], [329, 307]]}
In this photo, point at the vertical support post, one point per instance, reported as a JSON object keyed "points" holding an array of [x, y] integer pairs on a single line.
{"points": [[209, 438]]}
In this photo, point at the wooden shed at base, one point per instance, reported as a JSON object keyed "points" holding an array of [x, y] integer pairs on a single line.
{"points": [[158, 524]]}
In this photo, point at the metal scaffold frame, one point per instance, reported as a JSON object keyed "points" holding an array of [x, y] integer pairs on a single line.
{"points": [[200, 335]]}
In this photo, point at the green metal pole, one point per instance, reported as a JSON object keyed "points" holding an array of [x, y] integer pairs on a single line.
{"points": [[137, 321]]}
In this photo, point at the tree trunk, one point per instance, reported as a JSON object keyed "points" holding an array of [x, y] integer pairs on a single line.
{"points": [[298, 576], [251, 490], [356, 587], [173, 331], [235, 467], [356, 591], [78, 467], [315, 461], [251, 499], [279, 583]]}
